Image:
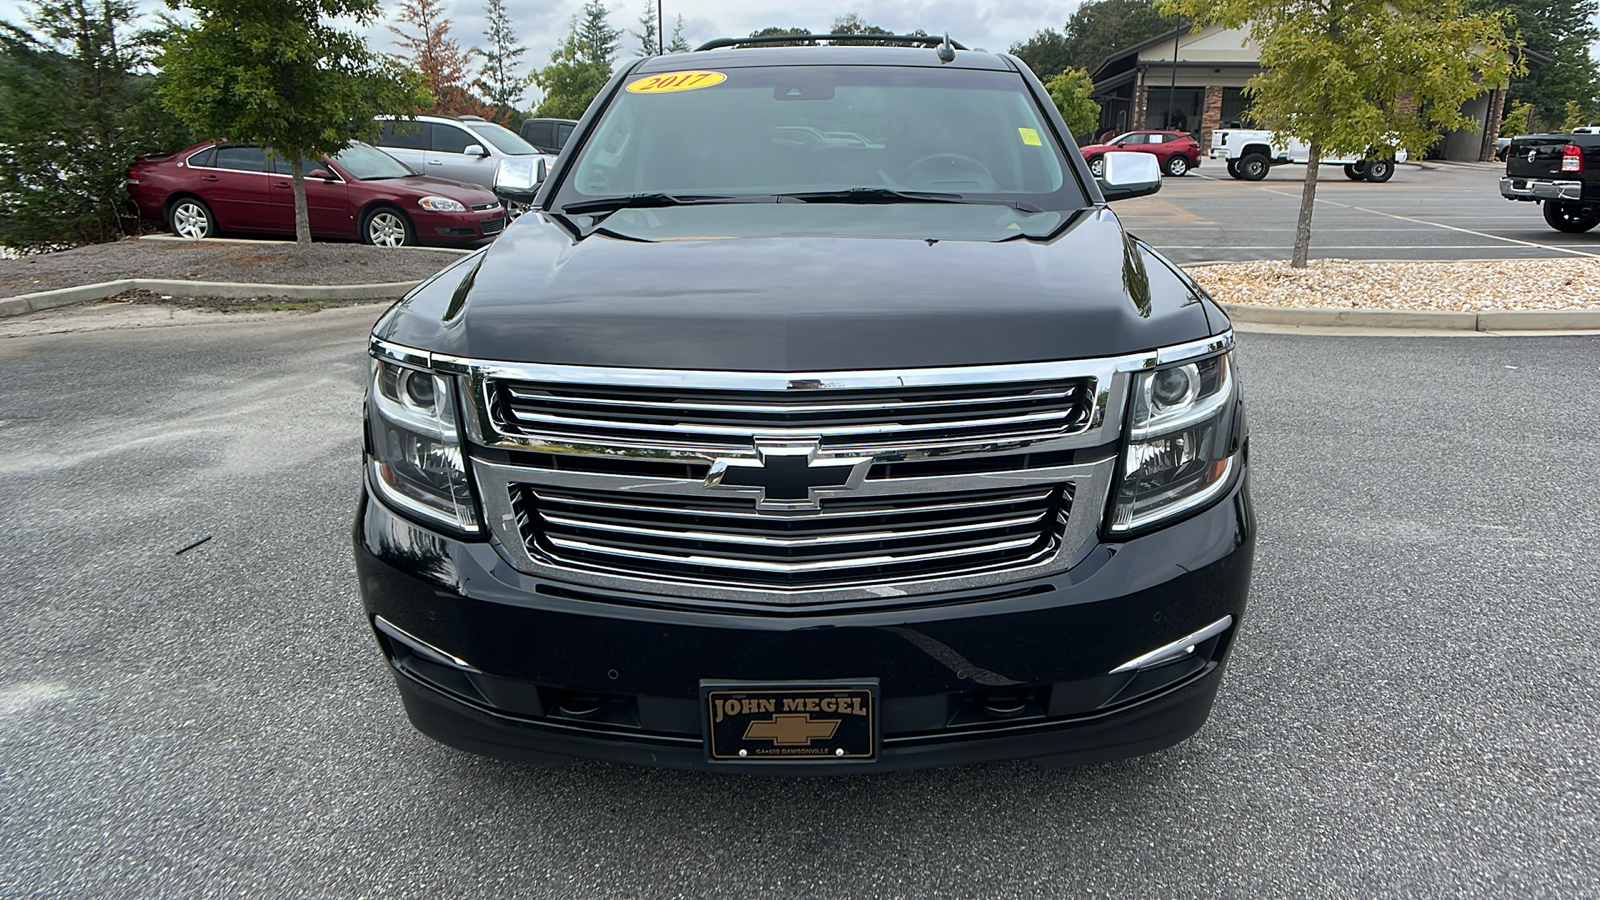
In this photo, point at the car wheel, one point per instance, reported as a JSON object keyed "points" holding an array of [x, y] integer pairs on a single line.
{"points": [[387, 227], [1356, 171], [1254, 167], [1177, 166], [1573, 218], [191, 218], [1233, 168], [1097, 167], [1380, 170]]}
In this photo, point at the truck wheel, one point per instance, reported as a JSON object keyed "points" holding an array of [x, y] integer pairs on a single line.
{"points": [[1177, 165], [1380, 170], [1356, 171], [1097, 167], [1233, 168], [1254, 167], [1573, 218]]}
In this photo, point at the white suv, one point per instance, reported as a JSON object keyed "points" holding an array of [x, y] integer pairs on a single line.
{"points": [[460, 148]]}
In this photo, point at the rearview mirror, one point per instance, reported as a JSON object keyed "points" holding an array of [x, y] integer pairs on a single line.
{"points": [[475, 150], [519, 177], [1128, 175], [324, 174]]}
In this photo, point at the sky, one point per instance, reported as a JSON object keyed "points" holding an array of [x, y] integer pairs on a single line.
{"points": [[990, 24]]}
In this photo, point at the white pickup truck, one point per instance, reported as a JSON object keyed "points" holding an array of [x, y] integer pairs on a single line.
{"points": [[1250, 153]]}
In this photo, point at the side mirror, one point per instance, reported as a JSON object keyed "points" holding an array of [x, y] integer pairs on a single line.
{"points": [[324, 174], [1129, 175], [475, 150], [519, 177]]}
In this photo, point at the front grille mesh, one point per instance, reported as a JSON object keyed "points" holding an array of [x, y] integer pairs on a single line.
{"points": [[855, 540], [872, 420]]}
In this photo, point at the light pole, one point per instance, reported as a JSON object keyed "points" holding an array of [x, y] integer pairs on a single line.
{"points": [[1172, 87], [661, 31]]}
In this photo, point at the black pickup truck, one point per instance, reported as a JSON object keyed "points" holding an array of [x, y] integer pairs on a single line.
{"points": [[1561, 171]]}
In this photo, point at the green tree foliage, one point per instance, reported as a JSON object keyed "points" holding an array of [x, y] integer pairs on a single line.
{"points": [[649, 33], [1562, 31], [1361, 76], [1070, 90], [852, 23], [775, 31], [498, 80], [1517, 120], [678, 43], [275, 72], [77, 104], [570, 82], [1096, 30], [597, 40], [1575, 117]]}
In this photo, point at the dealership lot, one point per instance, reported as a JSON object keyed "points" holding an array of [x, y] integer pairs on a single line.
{"points": [[1412, 708], [1436, 212]]}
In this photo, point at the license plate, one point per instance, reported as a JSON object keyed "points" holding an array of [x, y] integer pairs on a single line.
{"points": [[814, 721]]}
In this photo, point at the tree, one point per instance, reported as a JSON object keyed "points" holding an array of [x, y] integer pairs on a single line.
{"points": [[1562, 31], [77, 104], [1046, 53], [1070, 90], [439, 57], [570, 82], [851, 23], [1361, 76], [775, 31], [597, 40], [678, 43], [649, 33], [274, 72], [1517, 120], [497, 81], [1099, 29]]}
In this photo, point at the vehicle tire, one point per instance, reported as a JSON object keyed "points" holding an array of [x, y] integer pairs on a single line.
{"points": [[1097, 167], [385, 226], [190, 217], [1356, 171], [1178, 165], [1233, 168], [1254, 167], [1570, 217], [1380, 170]]}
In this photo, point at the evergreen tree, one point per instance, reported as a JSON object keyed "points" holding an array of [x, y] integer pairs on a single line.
{"points": [[1096, 30], [678, 43], [497, 80], [597, 40], [1563, 31], [649, 33]]}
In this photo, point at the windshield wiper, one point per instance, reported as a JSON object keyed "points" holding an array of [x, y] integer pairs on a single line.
{"points": [[639, 201], [872, 195]]}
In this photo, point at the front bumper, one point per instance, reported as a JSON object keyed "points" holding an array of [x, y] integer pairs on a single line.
{"points": [[494, 661], [459, 227], [1540, 189]]}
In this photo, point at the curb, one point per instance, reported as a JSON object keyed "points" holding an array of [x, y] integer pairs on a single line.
{"points": [[1509, 320], [28, 303]]}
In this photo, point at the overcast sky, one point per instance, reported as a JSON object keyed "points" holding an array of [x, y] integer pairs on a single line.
{"points": [[991, 24]]}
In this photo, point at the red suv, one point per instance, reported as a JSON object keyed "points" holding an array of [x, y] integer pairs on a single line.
{"points": [[1177, 151]]}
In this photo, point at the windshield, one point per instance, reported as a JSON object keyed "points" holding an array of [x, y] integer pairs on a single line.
{"points": [[366, 163], [796, 129], [503, 139]]}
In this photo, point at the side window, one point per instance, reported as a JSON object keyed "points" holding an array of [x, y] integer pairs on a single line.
{"points": [[244, 159], [280, 166], [537, 133], [205, 159], [1157, 138], [450, 139], [404, 135], [562, 133]]}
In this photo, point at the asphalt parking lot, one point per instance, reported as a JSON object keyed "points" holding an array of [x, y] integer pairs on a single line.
{"points": [[1436, 211], [1413, 708]]}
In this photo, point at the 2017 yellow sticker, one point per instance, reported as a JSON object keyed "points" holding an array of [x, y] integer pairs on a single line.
{"points": [[671, 82]]}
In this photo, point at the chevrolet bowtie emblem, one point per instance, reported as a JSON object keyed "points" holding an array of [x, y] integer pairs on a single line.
{"points": [[791, 729], [788, 474]]}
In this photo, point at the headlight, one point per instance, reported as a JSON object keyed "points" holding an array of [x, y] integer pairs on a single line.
{"points": [[416, 462], [441, 204], [1180, 451]]}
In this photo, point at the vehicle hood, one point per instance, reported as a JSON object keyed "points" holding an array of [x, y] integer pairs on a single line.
{"points": [[803, 303], [429, 186]]}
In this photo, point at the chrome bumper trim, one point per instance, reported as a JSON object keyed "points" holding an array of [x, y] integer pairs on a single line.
{"points": [[1176, 650], [1540, 189]]}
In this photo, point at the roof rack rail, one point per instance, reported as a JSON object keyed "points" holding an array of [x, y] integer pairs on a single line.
{"points": [[919, 40]]}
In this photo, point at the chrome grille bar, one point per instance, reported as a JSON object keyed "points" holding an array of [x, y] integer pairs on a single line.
{"points": [[831, 565], [807, 541]]}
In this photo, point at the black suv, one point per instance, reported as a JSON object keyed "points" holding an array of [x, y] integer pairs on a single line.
{"points": [[820, 418]]}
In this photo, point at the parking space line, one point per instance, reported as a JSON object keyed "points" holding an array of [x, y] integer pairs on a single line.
{"points": [[1495, 237]]}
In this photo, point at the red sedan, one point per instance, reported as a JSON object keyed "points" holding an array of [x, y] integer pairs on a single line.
{"points": [[360, 192], [1176, 150]]}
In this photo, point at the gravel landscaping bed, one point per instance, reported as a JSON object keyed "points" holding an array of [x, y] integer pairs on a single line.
{"points": [[1488, 286], [249, 263]]}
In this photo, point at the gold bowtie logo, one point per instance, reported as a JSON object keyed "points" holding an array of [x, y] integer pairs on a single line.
{"points": [[791, 729]]}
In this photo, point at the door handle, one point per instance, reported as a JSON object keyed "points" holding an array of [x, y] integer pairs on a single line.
{"points": [[435, 162], [282, 184], [209, 178]]}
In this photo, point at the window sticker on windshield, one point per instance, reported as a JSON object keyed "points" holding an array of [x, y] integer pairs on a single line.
{"points": [[676, 81], [1030, 137]]}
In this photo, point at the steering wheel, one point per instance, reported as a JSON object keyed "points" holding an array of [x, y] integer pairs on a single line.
{"points": [[949, 170]]}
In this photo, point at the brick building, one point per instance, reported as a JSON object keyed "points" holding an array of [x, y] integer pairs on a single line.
{"points": [[1141, 87]]}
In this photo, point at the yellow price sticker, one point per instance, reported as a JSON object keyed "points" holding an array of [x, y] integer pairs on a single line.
{"points": [[1030, 137], [672, 82]]}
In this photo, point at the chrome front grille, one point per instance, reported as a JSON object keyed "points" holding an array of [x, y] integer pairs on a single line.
{"points": [[844, 420], [850, 541]]}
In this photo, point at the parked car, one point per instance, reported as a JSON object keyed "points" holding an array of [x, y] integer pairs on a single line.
{"points": [[1501, 145], [1561, 172], [359, 192], [548, 135], [1177, 151], [1250, 153], [744, 453], [460, 148]]}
